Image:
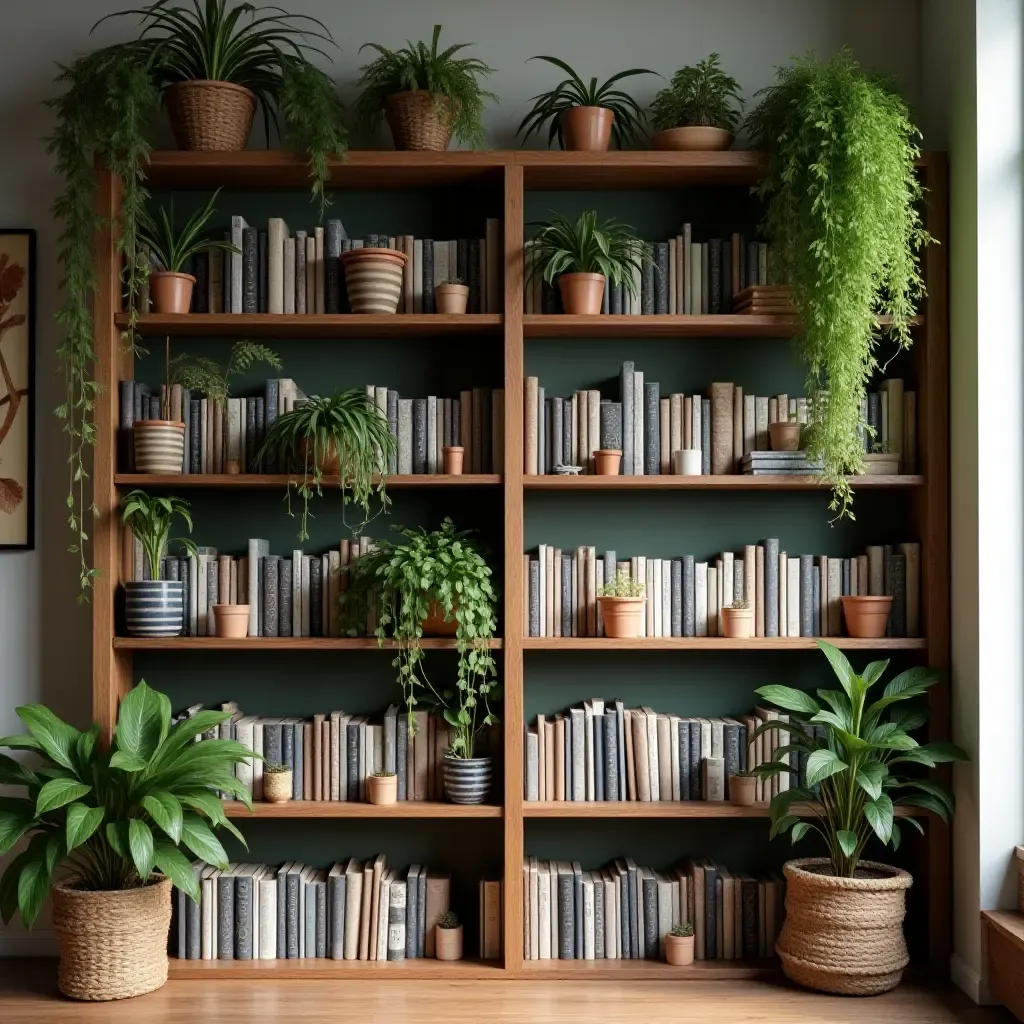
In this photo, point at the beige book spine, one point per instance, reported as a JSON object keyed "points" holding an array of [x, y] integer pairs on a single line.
{"points": [[627, 732], [529, 426], [665, 758], [876, 585], [549, 759], [675, 425], [318, 781], [783, 596], [664, 437], [912, 553], [835, 590], [737, 429], [641, 763], [721, 428], [438, 901], [556, 563], [542, 786], [593, 427], [583, 446], [325, 755], [550, 587], [713, 606], [526, 595], [559, 765], [759, 607]]}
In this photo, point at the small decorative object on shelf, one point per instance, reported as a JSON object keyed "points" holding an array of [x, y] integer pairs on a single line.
{"points": [[785, 435], [277, 783], [699, 110], [231, 620], [738, 620], [121, 815], [843, 931], [586, 117], [451, 296], [622, 606], [428, 97], [679, 945], [453, 457], [155, 607], [159, 446], [564, 470], [467, 780], [881, 463], [743, 788], [448, 937], [687, 462], [373, 279], [382, 788], [866, 616], [607, 461]]}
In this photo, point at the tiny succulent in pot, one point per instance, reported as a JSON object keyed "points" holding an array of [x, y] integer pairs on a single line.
{"points": [[622, 585], [698, 95], [449, 919], [275, 768], [682, 931]]}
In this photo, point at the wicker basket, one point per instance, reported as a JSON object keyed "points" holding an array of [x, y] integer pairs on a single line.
{"points": [[419, 120], [844, 935], [210, 117], [112, 944]]}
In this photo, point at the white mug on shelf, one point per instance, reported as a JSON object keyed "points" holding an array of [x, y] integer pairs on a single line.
{"points": [[686, 462]]}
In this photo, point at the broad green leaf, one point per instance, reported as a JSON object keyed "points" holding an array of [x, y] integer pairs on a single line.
{"points": [[790, 699], [33, 885], [210, 805], [175, 865], [127, 762], [879, 815], [841, 666], [925, 800], [82, 822], [56, 738], [116, 833], [142, 722], [165, 810], [942, 751], [9, 880], [907, 819], [896, 836], [16, 818], [84, 747], [14, 773], [780, 826], [20, 743], [869, 777], [56, 850], [140, 842], [874, 671], [888, 737], [199, 838], [936, 789], [780, 804], [799, 830], [911, 683], [847, 841], [840, 704], [823, 763], [58, 792]]}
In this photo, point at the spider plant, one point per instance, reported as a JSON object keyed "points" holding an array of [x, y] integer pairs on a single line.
{"points": [[170, 248], [628, 125], [149, 518], [343, 433], [699, 94]]}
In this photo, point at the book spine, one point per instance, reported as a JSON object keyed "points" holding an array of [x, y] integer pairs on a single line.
{"points": [[688, 595], [243, 917], [419, 436], [250, 270], [807, 602], [429, 305], [225, 917], [652, 429], [771, 587], [722, 461], [661, 277], [332, 266]]}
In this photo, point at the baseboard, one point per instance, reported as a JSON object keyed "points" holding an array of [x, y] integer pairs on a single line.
{"points": [[37, 943], [969, 981]]}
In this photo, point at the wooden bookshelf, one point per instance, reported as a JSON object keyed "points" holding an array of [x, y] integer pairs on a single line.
{"points": [[717, 643], [651, 970], [276, 643], [334, 970], [669, 809], [356, 809], [708, 483], [257, 481]]}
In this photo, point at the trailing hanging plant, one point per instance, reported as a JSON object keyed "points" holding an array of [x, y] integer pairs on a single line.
{"points": [[700, 94], [845, 230]]}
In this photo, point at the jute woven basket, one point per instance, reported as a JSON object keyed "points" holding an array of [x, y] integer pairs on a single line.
{"points": [[210, 117], [844, 935], [419, 120], [112, 944]]}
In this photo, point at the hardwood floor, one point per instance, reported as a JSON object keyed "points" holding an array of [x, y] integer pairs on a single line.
{"points": [[28, 996]]}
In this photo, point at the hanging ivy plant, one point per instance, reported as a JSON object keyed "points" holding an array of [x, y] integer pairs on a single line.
{"points": [[843, 221]]}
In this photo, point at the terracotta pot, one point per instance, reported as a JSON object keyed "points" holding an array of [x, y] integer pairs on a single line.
{"points": [[623, 616], [209, 116], [738, 623], [233, 467], [679, 950], [587, 129], [170, 293], [436, 625], [844, 935], [881, 464], [742, 790], [693, 138], [277, 787], [448, 943], [607, 461], [159, 446], [451, 298], [330, 464], [785, 436], [453, 456], [382, 790], [373, 279], [582, 293], [231, 620], [866, 617]]}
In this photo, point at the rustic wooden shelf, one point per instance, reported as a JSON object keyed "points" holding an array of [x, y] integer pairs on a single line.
{"points": [[670, 809], [422, 969], [649, 970], [732, 482], [718, 643], [258, 481], [358, 809], [274, 643]]}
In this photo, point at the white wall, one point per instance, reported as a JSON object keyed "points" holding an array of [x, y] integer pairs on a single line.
{"points": [[44, 635]]}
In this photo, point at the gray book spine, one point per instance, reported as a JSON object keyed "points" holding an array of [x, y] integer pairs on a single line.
{"points": [[262, 287], [647, 275], [186, 415], [556, 438], [634, 938], [684, 760], [806, 595], [411, 908], [243, 917], [737, 579], [316, 596], [731, 749], [396, 918], [193, 929], [705, 436], [677, 597], [567, 458], [270, 401], [846, 576], [456, 423], [689, 598], [566, 917], [336, 898], [896, 585], [771, 587], [284, 597], [272, 743], [251, 447], [599, 758], [710, 913], [611, 426], [332, 266], [816, 599], [609, 566], [624, 929], [297, 770], [748, 891], [566, 595], [179, 917], [652, 429], [250, 270], [611, 755], [321, 920], [300, 272], [419, 435], [288, 746], [261, 428], [715, 271], [567, 768], [292, 915], [429, 305], [309, 922], [352, 759], [393, 427], [577, 890], [650, 890], [626, 393], [421, 914], [752, 275], [726, 276], [269, 594], [695, 793], [661, 277], [401, 752], [598, 917], [534, 597], [226, 918], [614, 299]]}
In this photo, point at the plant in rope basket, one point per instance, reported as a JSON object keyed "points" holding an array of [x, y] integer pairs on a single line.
{"points": [[843, 220], [150, 518], [341, 434], [702, 95]]}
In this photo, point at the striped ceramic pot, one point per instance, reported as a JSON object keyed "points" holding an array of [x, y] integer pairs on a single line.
{"points": [[159, 446], [373, 278], [155, 607], [467, 780]]}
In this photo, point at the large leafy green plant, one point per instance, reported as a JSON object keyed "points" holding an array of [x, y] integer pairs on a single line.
{"points": [[400, 582], [857, 772], [845, 230], [114, 816], [150, 518], [699, 94]]}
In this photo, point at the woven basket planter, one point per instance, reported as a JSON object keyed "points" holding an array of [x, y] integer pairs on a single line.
{"points": [[373, 278], [155, 607], [844, 935], [159, 446], [112, 944], [210, 117], [419, 120], [467, 780]]}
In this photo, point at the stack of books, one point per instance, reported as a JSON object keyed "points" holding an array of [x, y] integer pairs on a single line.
{"points": [[624, 911], [762, 299], [789, 595]]}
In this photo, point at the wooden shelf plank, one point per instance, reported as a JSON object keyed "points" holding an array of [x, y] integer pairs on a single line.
{"points": [[327, 326], [732, 482], [649, 970], [258, 481], [354, 809], [322, 969], [718, 643], [670, 809], [1009, 923], [274, 643]]}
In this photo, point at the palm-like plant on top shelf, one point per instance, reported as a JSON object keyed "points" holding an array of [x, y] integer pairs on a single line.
{"points": [[699, 110]]}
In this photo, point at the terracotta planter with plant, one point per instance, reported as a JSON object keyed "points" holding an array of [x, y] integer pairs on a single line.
{"points": [[785, 435], [843, 929], [448, 937], [679, 945], [277, 783], [699, 110], [621, 601], [231, 621], [582, 294], [738, 621], [128, 822], [382, 788], [607, 461], [452, 296], [373, 279], [742, 789], [453, 459], [866, 616]]}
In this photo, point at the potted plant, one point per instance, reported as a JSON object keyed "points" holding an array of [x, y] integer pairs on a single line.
{"points": [[743, 788], [453, 455], [880, 461], [451, 296], [586, 117], [111, 98], [866, 616], [621, 601], [373, 278], [584, 256], [843, 929], [117, 819], [382, 788], [155, 607], [428, 98], [341, 435], [679, 945], [841, 156], [277, 783], [738, 620], [607, 461], [784, 434], [448, 937], [698, 110]]}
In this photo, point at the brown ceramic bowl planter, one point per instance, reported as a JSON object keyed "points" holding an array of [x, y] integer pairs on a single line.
{"points": [[170, 292], [693, 138], [785, 436], [582, 294], [277, 786], [587, 129], [231, 620], [607, 461], [374, 278], [679, 950], [623, 616], [159, 446], [382, 790], [866, 617], [448, 943], [453, 457], [451, 298], [742, 790], [738, 623], [210, 116]]}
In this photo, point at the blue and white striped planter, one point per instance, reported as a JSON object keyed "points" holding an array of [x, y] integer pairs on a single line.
{"points": [[467, 780], [155, 607]]}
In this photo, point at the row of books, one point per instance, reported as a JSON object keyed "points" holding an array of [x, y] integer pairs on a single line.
{"points": [[789, 595], [276, 271], [359, 910], [683, 276], [624, 911]]}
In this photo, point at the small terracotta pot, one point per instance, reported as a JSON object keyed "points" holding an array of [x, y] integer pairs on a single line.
{"points": [[451, 298], [607, 461], [277, 787], [587, 129], [866, 617], [785, 436], [693, 138], [435, 625], [170, 293], [233, 467], [330, 464], [582, 293], [159, 446], [679, 950], [623, 616], [448, 943], [738, 623], [453, 456], [382, 790], [231, 620], [742, 790]]}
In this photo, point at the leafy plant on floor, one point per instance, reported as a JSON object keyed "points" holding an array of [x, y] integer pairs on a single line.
{"points": [[699, 94], [843, 220], [857, 769], [206, 376], [150, 518], [171, 248], [114, 816], [622, 585]]}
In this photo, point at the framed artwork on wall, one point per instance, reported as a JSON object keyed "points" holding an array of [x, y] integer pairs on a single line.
{"points": [[17, 388]]}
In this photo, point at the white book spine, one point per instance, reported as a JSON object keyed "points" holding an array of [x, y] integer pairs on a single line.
{"points": [[277, 231], [783, 597], [700, 598], [687, 270], [268, 918], [638, 423], [318, 249], [289, 275], [793, 597]]}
